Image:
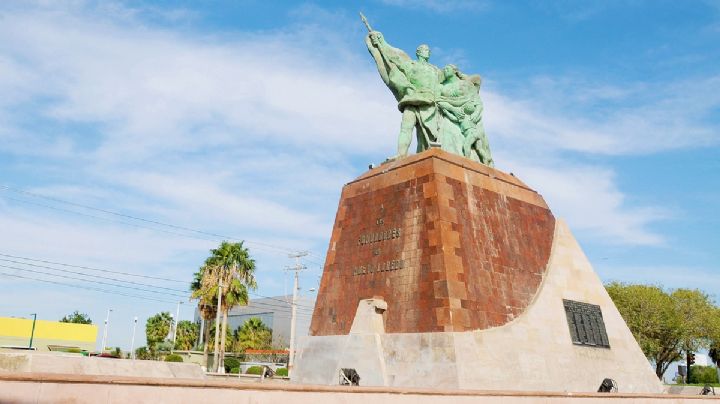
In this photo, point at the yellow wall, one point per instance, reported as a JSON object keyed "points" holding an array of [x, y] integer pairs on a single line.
{"points": [[54, 330]]}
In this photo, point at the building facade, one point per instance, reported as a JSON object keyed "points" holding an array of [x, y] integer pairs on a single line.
{"points": [[48, 335], [275, 313]]}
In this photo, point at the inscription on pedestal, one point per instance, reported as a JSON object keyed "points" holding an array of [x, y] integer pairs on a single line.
{"points": [[378, 237], [586, 324]]}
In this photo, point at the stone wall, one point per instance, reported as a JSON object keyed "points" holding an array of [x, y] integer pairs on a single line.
{"points": [[449, 244], [44, 388], [35, 362]]}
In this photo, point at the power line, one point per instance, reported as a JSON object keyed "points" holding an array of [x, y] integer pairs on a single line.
{"points": [[280, 249], [91, 281], [278, 300], [259, 304], [255, 304], [86, 288], [113, 272], [92, 269], [90, 275], [107, 219]]}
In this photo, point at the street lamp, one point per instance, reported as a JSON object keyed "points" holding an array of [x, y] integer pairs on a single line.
{"points": [[177, 320], [132, 343], [105, 331], [32, 333]]}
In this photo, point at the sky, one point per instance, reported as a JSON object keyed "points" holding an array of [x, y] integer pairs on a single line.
{"points": [[135, 136]]}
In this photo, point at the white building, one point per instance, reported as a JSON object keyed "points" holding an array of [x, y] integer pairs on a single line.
{"points": [[275, 312]]}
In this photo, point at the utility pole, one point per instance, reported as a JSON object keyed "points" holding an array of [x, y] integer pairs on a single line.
{"points": [[297, 268], [32, 333], [105, 331], [177, 320], [132, 342], [216, 356], [202, 332]]}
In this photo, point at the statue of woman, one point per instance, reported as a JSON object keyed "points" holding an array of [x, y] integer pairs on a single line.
{"points": [[460, 103]]}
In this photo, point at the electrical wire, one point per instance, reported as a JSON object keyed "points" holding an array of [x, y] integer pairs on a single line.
{"points": [[284, 250], [91, 268], [91, 281], [279, 300], [86, 288], [92, 276], [118, 273]]}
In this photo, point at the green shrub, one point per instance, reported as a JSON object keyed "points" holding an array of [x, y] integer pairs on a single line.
{"points": [[254, 370], [281, 372], [235, 370], [173, 358], [143, 353], [231, 363], [703, 374]]}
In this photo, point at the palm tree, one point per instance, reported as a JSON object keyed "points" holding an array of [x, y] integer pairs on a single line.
{"points": [[157, 329], [254, 334], [187, 335], [230, 265], [204, 288]]}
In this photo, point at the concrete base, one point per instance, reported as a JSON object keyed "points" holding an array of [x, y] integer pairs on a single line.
{"points": [[79, 365], [38, 388], [534, 352]]}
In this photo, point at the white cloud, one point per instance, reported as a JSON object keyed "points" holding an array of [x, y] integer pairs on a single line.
{"points": [[259, 127], [152, 90], [589, 200], [582, 116]]}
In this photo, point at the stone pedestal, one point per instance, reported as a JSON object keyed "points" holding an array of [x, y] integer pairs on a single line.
{"points": [[470, 274]]}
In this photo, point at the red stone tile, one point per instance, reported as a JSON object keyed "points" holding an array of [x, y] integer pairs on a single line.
{"points": [[491, 249]]}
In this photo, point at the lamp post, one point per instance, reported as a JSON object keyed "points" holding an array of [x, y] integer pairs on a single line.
{"points": [[177, 320], [297, 268], [132, 342], [105, 331], [32, 333]]}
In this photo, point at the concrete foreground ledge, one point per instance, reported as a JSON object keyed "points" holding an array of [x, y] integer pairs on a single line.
{"points": [[53, 387]]}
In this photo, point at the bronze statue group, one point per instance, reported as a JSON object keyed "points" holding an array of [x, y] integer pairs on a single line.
{"points": [[443, 105]]}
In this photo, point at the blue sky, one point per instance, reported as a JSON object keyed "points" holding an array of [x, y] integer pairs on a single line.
{"points": [[245, 118]]}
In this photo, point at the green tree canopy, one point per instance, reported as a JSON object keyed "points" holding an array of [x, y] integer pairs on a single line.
{"points": [[157, 329], [666, 324], [77, 318], [253, 334], [187, 335]]}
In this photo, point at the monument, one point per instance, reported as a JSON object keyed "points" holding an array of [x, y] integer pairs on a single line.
{"points": [[445, 272]]}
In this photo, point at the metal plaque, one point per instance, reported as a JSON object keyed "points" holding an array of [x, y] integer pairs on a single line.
{"points": [[586, 324]]}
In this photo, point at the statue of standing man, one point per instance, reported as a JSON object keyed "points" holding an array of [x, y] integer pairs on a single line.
{"points": [[443, 106], [415, 84]]}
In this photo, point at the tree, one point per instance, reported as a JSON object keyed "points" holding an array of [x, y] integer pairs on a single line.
{"points": [[231, 265], [714, 352], [228, 336], [142, 353], [187, 335], [205, 290], [665, 325], [157, 329], [253, 334], [651, 316], [76, 318], [700, 322]]}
